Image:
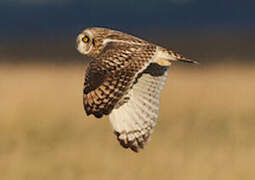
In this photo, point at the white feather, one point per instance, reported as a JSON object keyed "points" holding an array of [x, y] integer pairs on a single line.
{"points": [[138, 116]]}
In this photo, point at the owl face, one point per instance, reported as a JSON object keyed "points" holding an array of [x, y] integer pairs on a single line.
{"points": [[92, 41], [85, 42]]}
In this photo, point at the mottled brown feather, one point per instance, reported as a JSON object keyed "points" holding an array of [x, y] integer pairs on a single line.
{"points": [[109, 76]]}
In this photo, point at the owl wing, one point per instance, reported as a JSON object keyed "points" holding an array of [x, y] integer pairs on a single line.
{"points": [[133, 121], [125, 82], [111, 74]]}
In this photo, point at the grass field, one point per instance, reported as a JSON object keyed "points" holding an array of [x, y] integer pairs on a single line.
{"points": [[206, 127]]}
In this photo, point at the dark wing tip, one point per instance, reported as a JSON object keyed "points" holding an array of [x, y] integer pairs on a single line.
{"points": [[89, 111]]}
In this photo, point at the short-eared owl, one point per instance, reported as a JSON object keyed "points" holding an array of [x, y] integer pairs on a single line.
{"points": [[124, 80]]}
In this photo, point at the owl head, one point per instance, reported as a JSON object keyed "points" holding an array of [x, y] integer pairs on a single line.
{"points": [[91, 41]]}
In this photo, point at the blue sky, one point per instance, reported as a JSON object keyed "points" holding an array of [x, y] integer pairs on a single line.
{"points": [[40, 24], [43, 17]]}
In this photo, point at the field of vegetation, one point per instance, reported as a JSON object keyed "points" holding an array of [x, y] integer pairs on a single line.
{"points": [[206, 127]]}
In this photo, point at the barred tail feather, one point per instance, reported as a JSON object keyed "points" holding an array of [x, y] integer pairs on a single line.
{"points": [[181, 58]]}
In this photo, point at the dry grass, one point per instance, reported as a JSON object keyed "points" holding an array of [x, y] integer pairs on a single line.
{"points": [[206, 127]]}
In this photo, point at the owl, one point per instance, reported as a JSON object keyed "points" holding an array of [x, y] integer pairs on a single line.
{"points": [[124, 80]]}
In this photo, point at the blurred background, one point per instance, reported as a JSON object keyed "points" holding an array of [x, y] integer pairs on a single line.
{"points": [[206, 124]]}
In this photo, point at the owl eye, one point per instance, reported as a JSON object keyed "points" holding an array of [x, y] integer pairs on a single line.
{"points": [[85, 39]]}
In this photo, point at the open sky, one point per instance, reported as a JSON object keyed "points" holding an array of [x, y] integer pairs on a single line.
{"points": [[44, 17], [35, 24]]}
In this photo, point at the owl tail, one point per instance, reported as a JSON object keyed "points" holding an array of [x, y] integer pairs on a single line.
{"points": [[188, 61], [181, 58]]}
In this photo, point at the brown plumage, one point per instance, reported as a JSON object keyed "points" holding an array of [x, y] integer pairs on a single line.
{"points": [[124, 80]]}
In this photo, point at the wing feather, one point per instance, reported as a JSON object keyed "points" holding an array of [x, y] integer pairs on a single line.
{"points": [[135, 119], [109, 76]]}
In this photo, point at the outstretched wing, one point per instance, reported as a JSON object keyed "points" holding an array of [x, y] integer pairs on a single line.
{"points": [[135, 115], [110, 75]]}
